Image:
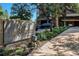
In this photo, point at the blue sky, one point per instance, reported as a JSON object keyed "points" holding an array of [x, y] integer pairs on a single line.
{"points": [[7, 6]]}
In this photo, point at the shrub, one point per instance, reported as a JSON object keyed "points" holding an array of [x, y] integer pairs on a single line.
{"points": [[19, 51], [11, 52], [46, 35], [1, 51], [56, 30], [41, 36], [8, 51]]}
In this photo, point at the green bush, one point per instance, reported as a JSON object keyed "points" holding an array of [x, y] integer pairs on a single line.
{"points": [[47, 35], [1, 51], [19, 51], [41, 36], [56, 30], [8, 51], [11, 52]]}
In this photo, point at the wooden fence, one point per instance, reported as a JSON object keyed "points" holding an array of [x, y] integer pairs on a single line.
{"points": [[15, 30], [1, 32]]}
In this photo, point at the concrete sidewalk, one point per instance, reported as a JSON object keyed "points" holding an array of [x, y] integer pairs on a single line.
{"points": [[65, 44]]}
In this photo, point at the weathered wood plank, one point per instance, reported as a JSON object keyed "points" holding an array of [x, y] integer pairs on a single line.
{"points": [[1, 32], [17, 30]]}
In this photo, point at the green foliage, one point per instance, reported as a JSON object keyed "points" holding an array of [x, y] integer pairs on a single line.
{"points": [[19, 51], [1, 51], [46, 35], [3, 14], [13, 17], [55, 10], [1, 11], [41, 36], [21, 11], [10, 51], [56, 30]]}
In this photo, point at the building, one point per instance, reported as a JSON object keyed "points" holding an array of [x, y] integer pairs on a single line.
{"points": [[71, 20], [44, 23]]}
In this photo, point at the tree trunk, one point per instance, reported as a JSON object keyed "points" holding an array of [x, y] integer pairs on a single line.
{"points": [[57, 22]]}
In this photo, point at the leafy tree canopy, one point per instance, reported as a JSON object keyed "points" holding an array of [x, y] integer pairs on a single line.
{"points": [[21, 11], [1, 11]]}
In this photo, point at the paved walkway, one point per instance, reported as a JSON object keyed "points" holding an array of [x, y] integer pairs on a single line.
{"points": [[65, 44]]}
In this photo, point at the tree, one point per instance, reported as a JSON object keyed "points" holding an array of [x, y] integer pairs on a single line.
{"points": [[59, 9], [45, 10], [21, 11], [1, 11], [41, 10], [55, 9], [75, 6]]}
